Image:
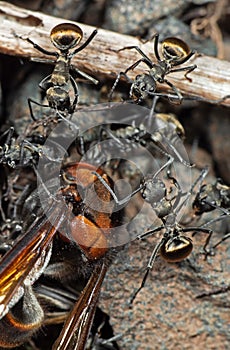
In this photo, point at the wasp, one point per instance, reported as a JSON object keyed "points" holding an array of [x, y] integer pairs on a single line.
{"points": [[64, 37], [175, 52], [81, 214], [59, 299]]}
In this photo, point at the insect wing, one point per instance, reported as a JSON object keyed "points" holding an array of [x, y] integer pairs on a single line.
{"points": [[19, 261], [77, 326]]}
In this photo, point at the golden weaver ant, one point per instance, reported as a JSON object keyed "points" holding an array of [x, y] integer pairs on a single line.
{"points": [[64, 37]]}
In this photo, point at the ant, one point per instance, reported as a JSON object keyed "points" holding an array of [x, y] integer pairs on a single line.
{"points": [[174, 246], [158, 132], [161, 136], [64, 36], [17, 153], [211, 197], [175, 52]]}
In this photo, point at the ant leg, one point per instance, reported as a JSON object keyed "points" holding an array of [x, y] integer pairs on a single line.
{"points": [[76, 94], [149, 267], [160, 94], [226, 236], [183, 161], [208, 239], [224, 289], [84, 75], [177, 92], [200, 229], [80, 146], [165, 153], [156, 52], [22, 151], [166, 165], [165, 141], [179, 194], [30, 101], [20, 202], [133, 66], [116, 82], [151, 116], [145, 57], [112, 136], [200, 179], [39, 48], [86, 43], [117, 201], [72, 125], [197, 98], [190, 192], [133, 297], [9, 134], [151, 232], [186, 58], [45, 84], [189, 69]]}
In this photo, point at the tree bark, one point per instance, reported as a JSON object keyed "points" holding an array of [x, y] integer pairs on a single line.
{"points": [[210, 80]]}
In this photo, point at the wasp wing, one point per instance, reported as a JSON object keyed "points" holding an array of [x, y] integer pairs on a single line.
{"points": [[17, 264]]}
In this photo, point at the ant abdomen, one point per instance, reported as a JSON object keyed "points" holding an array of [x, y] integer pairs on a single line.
{"points": [[174, 49], [176, 249], [65, 36]]}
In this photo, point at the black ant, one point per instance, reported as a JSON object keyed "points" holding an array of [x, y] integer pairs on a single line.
{"points": [[164, 132], [175, 52], [211, 197], [17, 153], [158, 132], [174, 246], [64, 37]]}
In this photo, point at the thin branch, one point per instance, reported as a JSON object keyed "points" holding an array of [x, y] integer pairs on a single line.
{"points": [[211, 80]]}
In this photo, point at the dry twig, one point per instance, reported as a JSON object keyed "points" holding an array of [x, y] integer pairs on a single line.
{"points": [[211, 80]]}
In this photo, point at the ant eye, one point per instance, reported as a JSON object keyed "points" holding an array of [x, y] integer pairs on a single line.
{"points": [[66, 36], [176, 249], [174, 49]]}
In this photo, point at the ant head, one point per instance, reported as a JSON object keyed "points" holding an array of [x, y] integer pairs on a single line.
{"points": [[176, 248], [175, 50], [154, 190], [65, 36]]}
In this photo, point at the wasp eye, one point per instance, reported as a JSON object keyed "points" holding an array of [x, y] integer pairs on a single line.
{"points": [[176, 249]]}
